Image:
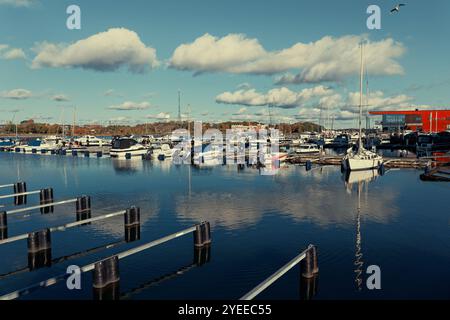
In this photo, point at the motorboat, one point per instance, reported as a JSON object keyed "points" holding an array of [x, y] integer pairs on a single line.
{"points": [[91, 141], [307, 148], [7, 143], [164, 152], [127, 148], [50, 143]]}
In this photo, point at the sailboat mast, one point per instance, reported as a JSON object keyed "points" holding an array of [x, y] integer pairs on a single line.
{"points": [[361, 98], [73, 124]]}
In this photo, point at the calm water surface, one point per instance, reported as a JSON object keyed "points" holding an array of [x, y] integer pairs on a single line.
{"points": [[258, 223]]}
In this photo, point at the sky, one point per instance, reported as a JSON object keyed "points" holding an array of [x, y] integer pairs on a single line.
{"points": [[284, 60]]}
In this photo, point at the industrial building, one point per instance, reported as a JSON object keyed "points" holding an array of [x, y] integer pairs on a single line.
{"points": [[427, 121]]}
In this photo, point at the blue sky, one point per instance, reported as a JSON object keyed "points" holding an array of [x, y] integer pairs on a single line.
{"points": [[226, 57]]}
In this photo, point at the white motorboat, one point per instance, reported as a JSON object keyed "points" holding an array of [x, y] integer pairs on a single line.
{"points": [[91, 141], [7, 143], [362, 159], [307, 148], [127, 148], [164, 152], [50, 143]]}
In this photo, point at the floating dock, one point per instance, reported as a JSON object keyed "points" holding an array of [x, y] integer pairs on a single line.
{"points": [[389, 162]]}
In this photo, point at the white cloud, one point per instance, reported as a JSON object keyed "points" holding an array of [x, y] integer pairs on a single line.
{"points": [[16, 94], [104, 51], [60, 97], [8, 53], [159, 116], [376, 101], [129, 105], [242, 110], [109, 93], [347, 108], [244, 86], [119, 119], [328, 59], [278, 97], [211, 54], [18, 3]]}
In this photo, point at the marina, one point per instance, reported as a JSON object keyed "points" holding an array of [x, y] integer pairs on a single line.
{"points": [[223, 159], [294, 200]]}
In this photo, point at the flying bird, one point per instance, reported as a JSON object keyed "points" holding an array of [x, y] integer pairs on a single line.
{"points": [[397, 8]]}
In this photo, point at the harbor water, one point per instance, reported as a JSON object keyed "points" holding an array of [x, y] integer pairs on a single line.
{"points": [[259, 222]]}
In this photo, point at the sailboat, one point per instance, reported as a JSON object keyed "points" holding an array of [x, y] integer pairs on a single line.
{"points": [[362, 159]]}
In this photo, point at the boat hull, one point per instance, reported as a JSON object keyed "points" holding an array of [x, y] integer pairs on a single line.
{"points": [[125, 154], [361, 164]]}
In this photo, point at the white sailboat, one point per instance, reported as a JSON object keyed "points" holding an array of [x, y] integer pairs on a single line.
{"points": [[362, 159]]}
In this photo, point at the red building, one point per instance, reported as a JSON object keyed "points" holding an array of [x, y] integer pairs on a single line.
{"points": [[417, 120]]}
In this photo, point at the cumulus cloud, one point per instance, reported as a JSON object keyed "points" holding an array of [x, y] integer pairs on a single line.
{"points": [[60, 97], [278, 97], [16, 94], [212, 54], [130, 105], [327, 59], [377, 101], [104, 51], [8, 53]]}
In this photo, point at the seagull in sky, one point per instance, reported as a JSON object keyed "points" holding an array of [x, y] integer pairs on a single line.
{"points": [[397, 8]]}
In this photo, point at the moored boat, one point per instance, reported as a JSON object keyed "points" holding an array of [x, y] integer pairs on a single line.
{"points": [[127, 148]]}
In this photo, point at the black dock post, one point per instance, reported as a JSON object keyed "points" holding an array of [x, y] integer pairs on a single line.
{"points": [[308, 165], [309, 265], [315, 260], [39, 249], [132, 222], [46, 197], [308, 287], [83, 208], [20, 187], [310, 274], [202, 255], [106, 278], [206, 233], [202, 234], [111, 292], [3, 225]]}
